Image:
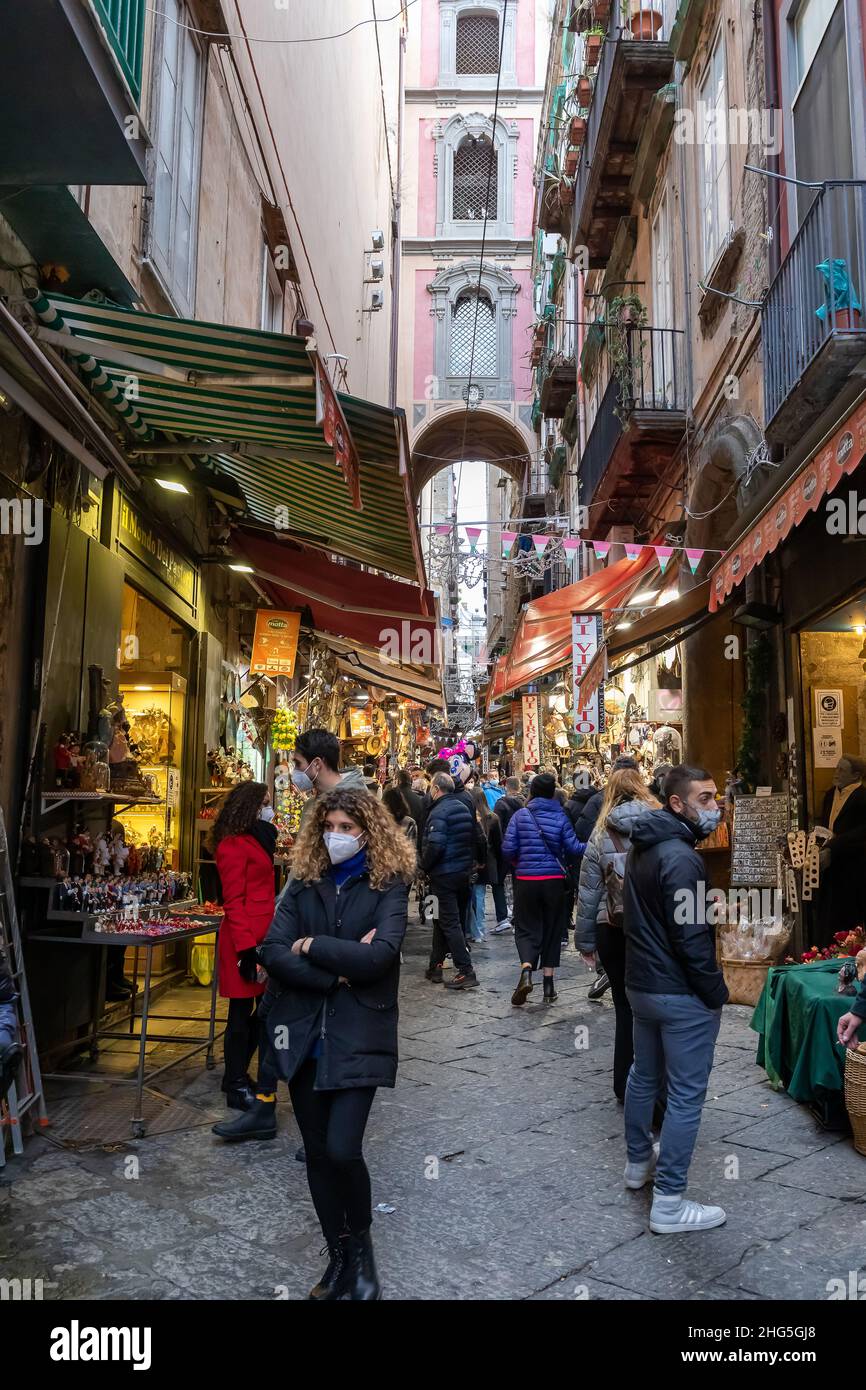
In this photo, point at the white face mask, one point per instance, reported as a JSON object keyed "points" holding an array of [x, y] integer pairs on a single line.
{"points": [[342, 847], [302, 780]]}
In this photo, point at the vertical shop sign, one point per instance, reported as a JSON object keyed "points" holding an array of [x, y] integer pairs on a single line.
{"points": [[329, 414], [275, 643], [531, 739], [586, 637]]}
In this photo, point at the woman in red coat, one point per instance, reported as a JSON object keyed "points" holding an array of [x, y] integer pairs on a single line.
{"points": [[243, 840]]}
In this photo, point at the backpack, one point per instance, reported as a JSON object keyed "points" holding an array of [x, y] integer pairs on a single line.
{"points": [[614, 874]]}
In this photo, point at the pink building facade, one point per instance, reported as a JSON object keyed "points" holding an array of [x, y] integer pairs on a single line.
{"points": [[465, 325]]}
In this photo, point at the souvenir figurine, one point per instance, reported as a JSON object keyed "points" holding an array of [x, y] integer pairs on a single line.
{"points": [[62, 762], [102, 856]]}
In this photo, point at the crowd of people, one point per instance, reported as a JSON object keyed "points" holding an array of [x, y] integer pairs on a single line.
{"points": [[312, 978]]}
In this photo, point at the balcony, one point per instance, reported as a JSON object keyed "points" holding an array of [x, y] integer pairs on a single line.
{"points": [[636, 61], [813, 335], [72, 81], [558, 382], [639, 393]]}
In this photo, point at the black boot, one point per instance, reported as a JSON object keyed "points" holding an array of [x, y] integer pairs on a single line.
{"points": [[330, 1286], [361, 1282], [524, 986], [549, 991], [241, 1095], [259, 1122]]}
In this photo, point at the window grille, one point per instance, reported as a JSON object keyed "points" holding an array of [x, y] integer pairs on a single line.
{"points": [[475, 180], [484, 360], [477, 44]]}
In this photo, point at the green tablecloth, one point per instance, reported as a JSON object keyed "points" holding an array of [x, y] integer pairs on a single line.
{"points": [[796, 1017]]}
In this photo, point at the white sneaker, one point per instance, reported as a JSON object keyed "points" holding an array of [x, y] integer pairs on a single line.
{"points": [[672, 1214], [638, 1174], [501, 927]]}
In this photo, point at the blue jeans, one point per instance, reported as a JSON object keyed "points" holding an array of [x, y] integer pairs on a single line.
{"points": [[475, 916], [674, 1040]]}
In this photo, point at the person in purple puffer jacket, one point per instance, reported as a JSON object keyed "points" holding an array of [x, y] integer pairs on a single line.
{"points": [[541, 844]]}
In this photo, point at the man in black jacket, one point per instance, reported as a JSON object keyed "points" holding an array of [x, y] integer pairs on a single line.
{"points": [[447, 856], [676, 991]]}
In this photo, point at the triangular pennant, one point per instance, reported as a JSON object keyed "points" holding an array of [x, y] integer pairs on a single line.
{"points": [[601, 548], [472, 534], [540, 543], [694, 558], [443, 528], [633, 552], [508, 539], [663, 555], [571, 545]]}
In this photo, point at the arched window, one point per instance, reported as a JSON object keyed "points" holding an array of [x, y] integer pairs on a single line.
{"points": [[474, 333], [475, 180], [477, 44]]}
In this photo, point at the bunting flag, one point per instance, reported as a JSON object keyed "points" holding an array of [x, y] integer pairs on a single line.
{"points": [[571, 545], [663, 555], [694, 558], [633, 552], [443, 528], [540, 543], [601, 548], [508, 539], [472, 534]]}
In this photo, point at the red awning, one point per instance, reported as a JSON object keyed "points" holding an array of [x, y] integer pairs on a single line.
{"points": [[824, 471], [542, 641], [345, 601]]}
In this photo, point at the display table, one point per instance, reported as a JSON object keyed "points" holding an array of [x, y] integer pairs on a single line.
{"points": [[796, 1018], [200, 924]]}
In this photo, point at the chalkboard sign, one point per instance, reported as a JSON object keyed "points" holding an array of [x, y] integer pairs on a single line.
{"points": [[760, 822]]}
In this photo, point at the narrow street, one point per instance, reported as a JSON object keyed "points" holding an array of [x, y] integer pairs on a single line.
{"points": [[501, 1151]]}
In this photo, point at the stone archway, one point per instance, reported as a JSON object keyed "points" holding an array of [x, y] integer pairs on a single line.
{"points": [[712, 663], [452, 435]]}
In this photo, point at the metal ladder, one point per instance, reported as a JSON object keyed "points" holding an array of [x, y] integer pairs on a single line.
{"points": [[25, 1095]]}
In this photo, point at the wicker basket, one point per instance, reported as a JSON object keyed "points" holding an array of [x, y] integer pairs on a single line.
{"points": [[855, 1094], [745, 979]]}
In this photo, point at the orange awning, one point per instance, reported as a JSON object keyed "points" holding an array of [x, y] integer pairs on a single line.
{"points": [[542, 642], [824, 471]]}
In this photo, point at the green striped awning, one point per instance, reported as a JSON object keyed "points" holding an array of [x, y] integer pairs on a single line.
{"points": [[246, 399]]}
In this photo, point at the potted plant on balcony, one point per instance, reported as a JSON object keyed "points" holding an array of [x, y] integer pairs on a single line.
{"points": [[601, 12], [572, 159], [577, 130], [625, 347], [645, 18], [581, 16], [594, 41], [838, 288], [566, 193], [583, 91]]}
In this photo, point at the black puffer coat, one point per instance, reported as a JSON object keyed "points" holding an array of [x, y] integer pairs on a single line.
{"points": [[357, 1023], [670, 947], [449, 844]]}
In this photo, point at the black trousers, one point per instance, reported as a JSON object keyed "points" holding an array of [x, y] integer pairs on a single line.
{"points": [[452, 893], [244, 1034], [539, 920], [332, 1125], [611, 953]]}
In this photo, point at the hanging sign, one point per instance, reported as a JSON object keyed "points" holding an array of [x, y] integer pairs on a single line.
{"points": [[329, 414], [586, 638], [531, 737], [829, 709], [275, 644]]}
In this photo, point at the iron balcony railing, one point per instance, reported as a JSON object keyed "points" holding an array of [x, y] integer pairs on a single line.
{"points": [[819, 288], [649, 21], [637, 369], [123, 23]]}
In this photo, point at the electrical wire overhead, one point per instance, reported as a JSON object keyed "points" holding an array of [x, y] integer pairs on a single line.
{"points": [[315, 38]]}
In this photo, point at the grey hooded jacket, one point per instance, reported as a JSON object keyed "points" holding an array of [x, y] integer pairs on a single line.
{"points": [[600, 852]]}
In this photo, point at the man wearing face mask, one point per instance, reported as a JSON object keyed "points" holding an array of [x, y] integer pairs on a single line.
{"points": [[316, 766], [676, 992]]}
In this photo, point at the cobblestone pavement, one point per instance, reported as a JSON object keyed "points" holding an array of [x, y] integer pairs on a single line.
{"points": [[501, 1153]]}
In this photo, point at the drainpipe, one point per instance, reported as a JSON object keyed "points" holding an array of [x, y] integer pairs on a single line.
{"points": [[771, 78], [684, 229], [396, 223]]}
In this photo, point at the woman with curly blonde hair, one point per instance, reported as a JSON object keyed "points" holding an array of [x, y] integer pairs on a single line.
{"points": [[333, 953]]}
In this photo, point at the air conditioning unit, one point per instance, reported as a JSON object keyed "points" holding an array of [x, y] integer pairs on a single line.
{"points": [[377, 301], [377, 239], [377, 268]]}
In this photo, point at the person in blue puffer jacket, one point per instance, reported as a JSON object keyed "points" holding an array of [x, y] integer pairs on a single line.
{"points": [[541, 844]]}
